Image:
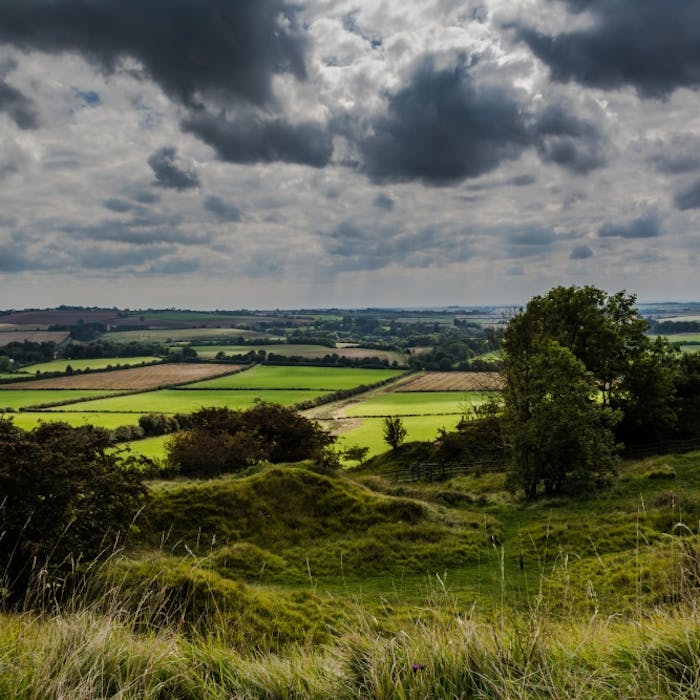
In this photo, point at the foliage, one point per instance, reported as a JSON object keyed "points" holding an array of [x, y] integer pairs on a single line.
{"points": [[357, 453], [394, 431], [64, 496], [220, 440]]}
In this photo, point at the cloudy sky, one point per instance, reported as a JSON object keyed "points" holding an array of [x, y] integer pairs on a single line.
{"points": [[262, 154]]}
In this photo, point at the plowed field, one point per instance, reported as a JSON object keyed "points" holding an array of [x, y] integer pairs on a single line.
{"points": [[453, 381], [135, 378]]}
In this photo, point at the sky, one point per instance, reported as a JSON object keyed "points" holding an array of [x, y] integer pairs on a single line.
{"points": [[346, 153]]}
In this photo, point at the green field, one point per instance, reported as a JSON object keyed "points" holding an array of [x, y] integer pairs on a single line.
{"points": [[18, 398], [95, 363], [314, 378], [678, 338], [180, 335], [28, 419], [370, 432], [418, 403], [151, 447], [186, 401], [689, 348]]}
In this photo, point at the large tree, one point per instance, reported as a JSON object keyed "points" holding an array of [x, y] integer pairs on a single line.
{"points": [[616, 375]]}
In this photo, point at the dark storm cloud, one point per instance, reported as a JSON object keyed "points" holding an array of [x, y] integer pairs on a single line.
{"points": [[170, 172], [191, 48], [643, 227], [224, 211], [261, 139], [443, 127], [679, 154], [651, 45], [581, 252], [382, 201], [689, 198], [18, 107], [533, 237], [569, 141], [15, 258], [103, 258]]}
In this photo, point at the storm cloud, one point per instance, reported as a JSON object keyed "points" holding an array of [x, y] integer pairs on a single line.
{"points": [[18, 107], [171, 171], [650, 45], [260, 139], [191, 48], [689, 198], [442, 128], [643, 227]]}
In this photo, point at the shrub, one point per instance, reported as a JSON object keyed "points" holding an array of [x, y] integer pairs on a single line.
{"points": [[63, 496]]}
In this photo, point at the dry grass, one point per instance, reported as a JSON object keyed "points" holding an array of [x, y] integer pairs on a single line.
{"points": [[453, 381], [134, 378]]}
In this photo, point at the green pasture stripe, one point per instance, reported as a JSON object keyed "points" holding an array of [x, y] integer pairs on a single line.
{"points": [[418, 403], [370, 431], [179, 401], [28, 420], [95, 363], [23, 398], [313, 378]]}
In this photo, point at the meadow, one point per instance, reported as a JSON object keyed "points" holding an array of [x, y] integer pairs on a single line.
{"points": [[353, 586], [188, 400], [87, 364], [30, 419], [266, 377], [19, 398]]}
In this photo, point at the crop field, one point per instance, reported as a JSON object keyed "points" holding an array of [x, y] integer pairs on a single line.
{"points": [[452, 381], [95, 363], [310, 352], [28, 419], [315, 378], [417, 403], [18, 398], [7, 337], [135, 378], [181, 335], [186, 401]]}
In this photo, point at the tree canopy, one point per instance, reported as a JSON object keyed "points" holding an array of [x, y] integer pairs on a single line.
{"points": [[580, 375]]}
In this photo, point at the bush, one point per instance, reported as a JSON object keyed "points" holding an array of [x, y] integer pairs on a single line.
{"points": [[64, 498]]}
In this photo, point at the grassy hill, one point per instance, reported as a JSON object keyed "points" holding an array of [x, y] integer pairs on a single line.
{"points": [[291, 583]]}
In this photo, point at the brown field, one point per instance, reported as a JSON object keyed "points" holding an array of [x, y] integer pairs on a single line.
{"points": [[453, 381], [135, 378], [13, 336]]}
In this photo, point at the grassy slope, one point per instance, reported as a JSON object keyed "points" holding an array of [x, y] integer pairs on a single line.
{"points": [[364, 577], [417, 403]]}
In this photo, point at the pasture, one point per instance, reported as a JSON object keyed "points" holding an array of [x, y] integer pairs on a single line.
{"points": [[88, 364], [290, 377], [189, 400], [28, 419], [135, 378], [22, 398], [369, 432]]}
